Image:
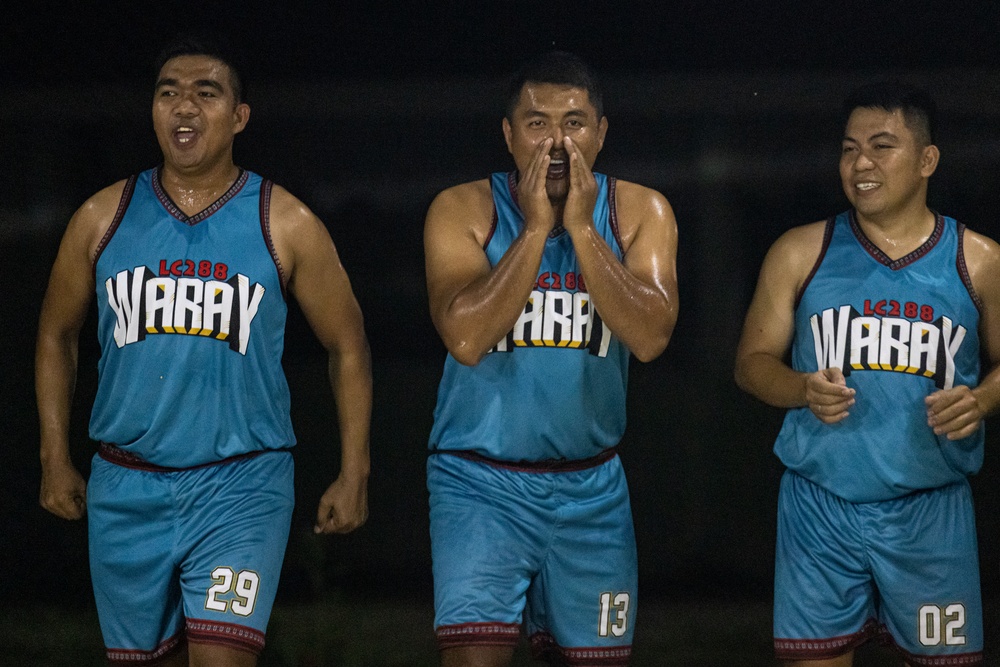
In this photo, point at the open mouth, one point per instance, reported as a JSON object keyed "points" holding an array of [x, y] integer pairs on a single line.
{"points": [[558, 168], [184, 135]]}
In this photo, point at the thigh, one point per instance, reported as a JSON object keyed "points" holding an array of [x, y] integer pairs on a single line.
{"points": [[583, 602], [926, 565], [131, 528], [487, 535], [236, 529], [824, 596]]}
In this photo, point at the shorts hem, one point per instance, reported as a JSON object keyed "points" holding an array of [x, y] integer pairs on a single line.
{"points": [[477, 634], [544, 647], [238, 637], [824, 649], [117, 657]]}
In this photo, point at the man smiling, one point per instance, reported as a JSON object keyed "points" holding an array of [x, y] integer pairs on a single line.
{"points": [[541, 282], [884, 307]]}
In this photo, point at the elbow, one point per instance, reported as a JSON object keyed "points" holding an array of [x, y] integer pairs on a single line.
{"points": [[465, 354]]}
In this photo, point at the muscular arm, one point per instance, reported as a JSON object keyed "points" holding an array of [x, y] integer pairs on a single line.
{"points": [[637, 298], [958, 412], [320, 285], [64, 309], [472, 304], [770, 325]]}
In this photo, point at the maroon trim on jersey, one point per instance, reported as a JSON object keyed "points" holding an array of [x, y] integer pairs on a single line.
{"points": [[238, 637], [827, 237], [613, 212], [192, 220], [544, 647], [477, 634], [905, 260], [265, 229], [120, 457], [119, 657], [546, 465], [496, 219], [824, 649], [123, 203], [963, 269]]}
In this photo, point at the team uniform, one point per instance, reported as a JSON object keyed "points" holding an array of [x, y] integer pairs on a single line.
{"points": [[876, 533], [190, 496], [529, 508]]}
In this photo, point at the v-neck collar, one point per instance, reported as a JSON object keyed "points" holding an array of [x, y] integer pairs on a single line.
{"points": [[175, 211], [904, 261]]}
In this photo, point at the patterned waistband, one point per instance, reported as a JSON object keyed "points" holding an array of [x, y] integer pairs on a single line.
{"points": [[118, 456], [545, 465]]}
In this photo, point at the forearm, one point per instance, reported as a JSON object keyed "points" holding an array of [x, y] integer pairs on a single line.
{"points": [[771, 380], [640, 315], [351, 382], [486, 309], [55, 382], [987, 393]]}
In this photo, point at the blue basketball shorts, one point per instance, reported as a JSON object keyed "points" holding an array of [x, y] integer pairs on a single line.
{"points": [[905, 569], [555, 550], [189, 555]]}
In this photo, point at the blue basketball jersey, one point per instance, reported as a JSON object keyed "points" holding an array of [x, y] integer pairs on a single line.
{"points": [[554, 386], [900, 330], [191, 318]]}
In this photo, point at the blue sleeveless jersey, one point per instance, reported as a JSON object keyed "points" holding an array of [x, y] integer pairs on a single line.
{"points": [[191, 319], [553, 387], [900, 330]]}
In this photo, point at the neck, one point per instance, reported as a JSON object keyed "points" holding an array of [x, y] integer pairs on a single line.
{"points": [[900, 234], [194, 190]]}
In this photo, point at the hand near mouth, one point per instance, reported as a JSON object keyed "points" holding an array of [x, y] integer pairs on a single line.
{"points": [[532, 195], [582, 197]]}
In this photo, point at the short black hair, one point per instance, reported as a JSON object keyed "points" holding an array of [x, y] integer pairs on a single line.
{"points": [[216, 47], [558, 67], [917, 106]]}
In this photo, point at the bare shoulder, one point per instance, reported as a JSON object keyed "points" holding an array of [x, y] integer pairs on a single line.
{"points": [[91, 221], [287, 211], [467, 206], [639, 206], [982, 260], [799, 246]]}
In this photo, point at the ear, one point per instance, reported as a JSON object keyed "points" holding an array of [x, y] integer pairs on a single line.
{"points": [[242, 117], [602, 131], [507, 131], [929, 160]]}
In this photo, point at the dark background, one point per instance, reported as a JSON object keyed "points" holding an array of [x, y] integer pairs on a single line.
{"points": [[366, 110]]}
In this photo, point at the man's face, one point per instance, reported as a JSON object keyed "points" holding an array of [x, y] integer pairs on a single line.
{"points": [[883, 166], [195, 114], [547, 110]]}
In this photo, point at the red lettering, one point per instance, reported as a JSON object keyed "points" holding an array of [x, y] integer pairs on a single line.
{"points": [[221, 271], [544, 280], [570, 280], [163, 267], [927, 313], [175, 268]]}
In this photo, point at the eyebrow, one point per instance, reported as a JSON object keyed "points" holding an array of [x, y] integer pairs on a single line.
{"points": [[201, 83], [879, 135]]}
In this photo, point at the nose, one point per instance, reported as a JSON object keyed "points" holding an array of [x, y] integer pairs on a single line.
{"points": [[862, 162], [557, 136], [186, 105]]}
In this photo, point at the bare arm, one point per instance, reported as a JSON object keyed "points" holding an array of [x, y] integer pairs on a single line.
{"points": [[472, 304], [64, 309], [770, 325], [958, 412], [637, 298], [319, 283]]}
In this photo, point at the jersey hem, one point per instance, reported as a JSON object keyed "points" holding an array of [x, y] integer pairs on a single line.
{"points": [[118, 456], [231, 635]]}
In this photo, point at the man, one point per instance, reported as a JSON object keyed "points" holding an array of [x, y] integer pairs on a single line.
{"points": [[190, 496], [885, 308], [541, 282]]}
